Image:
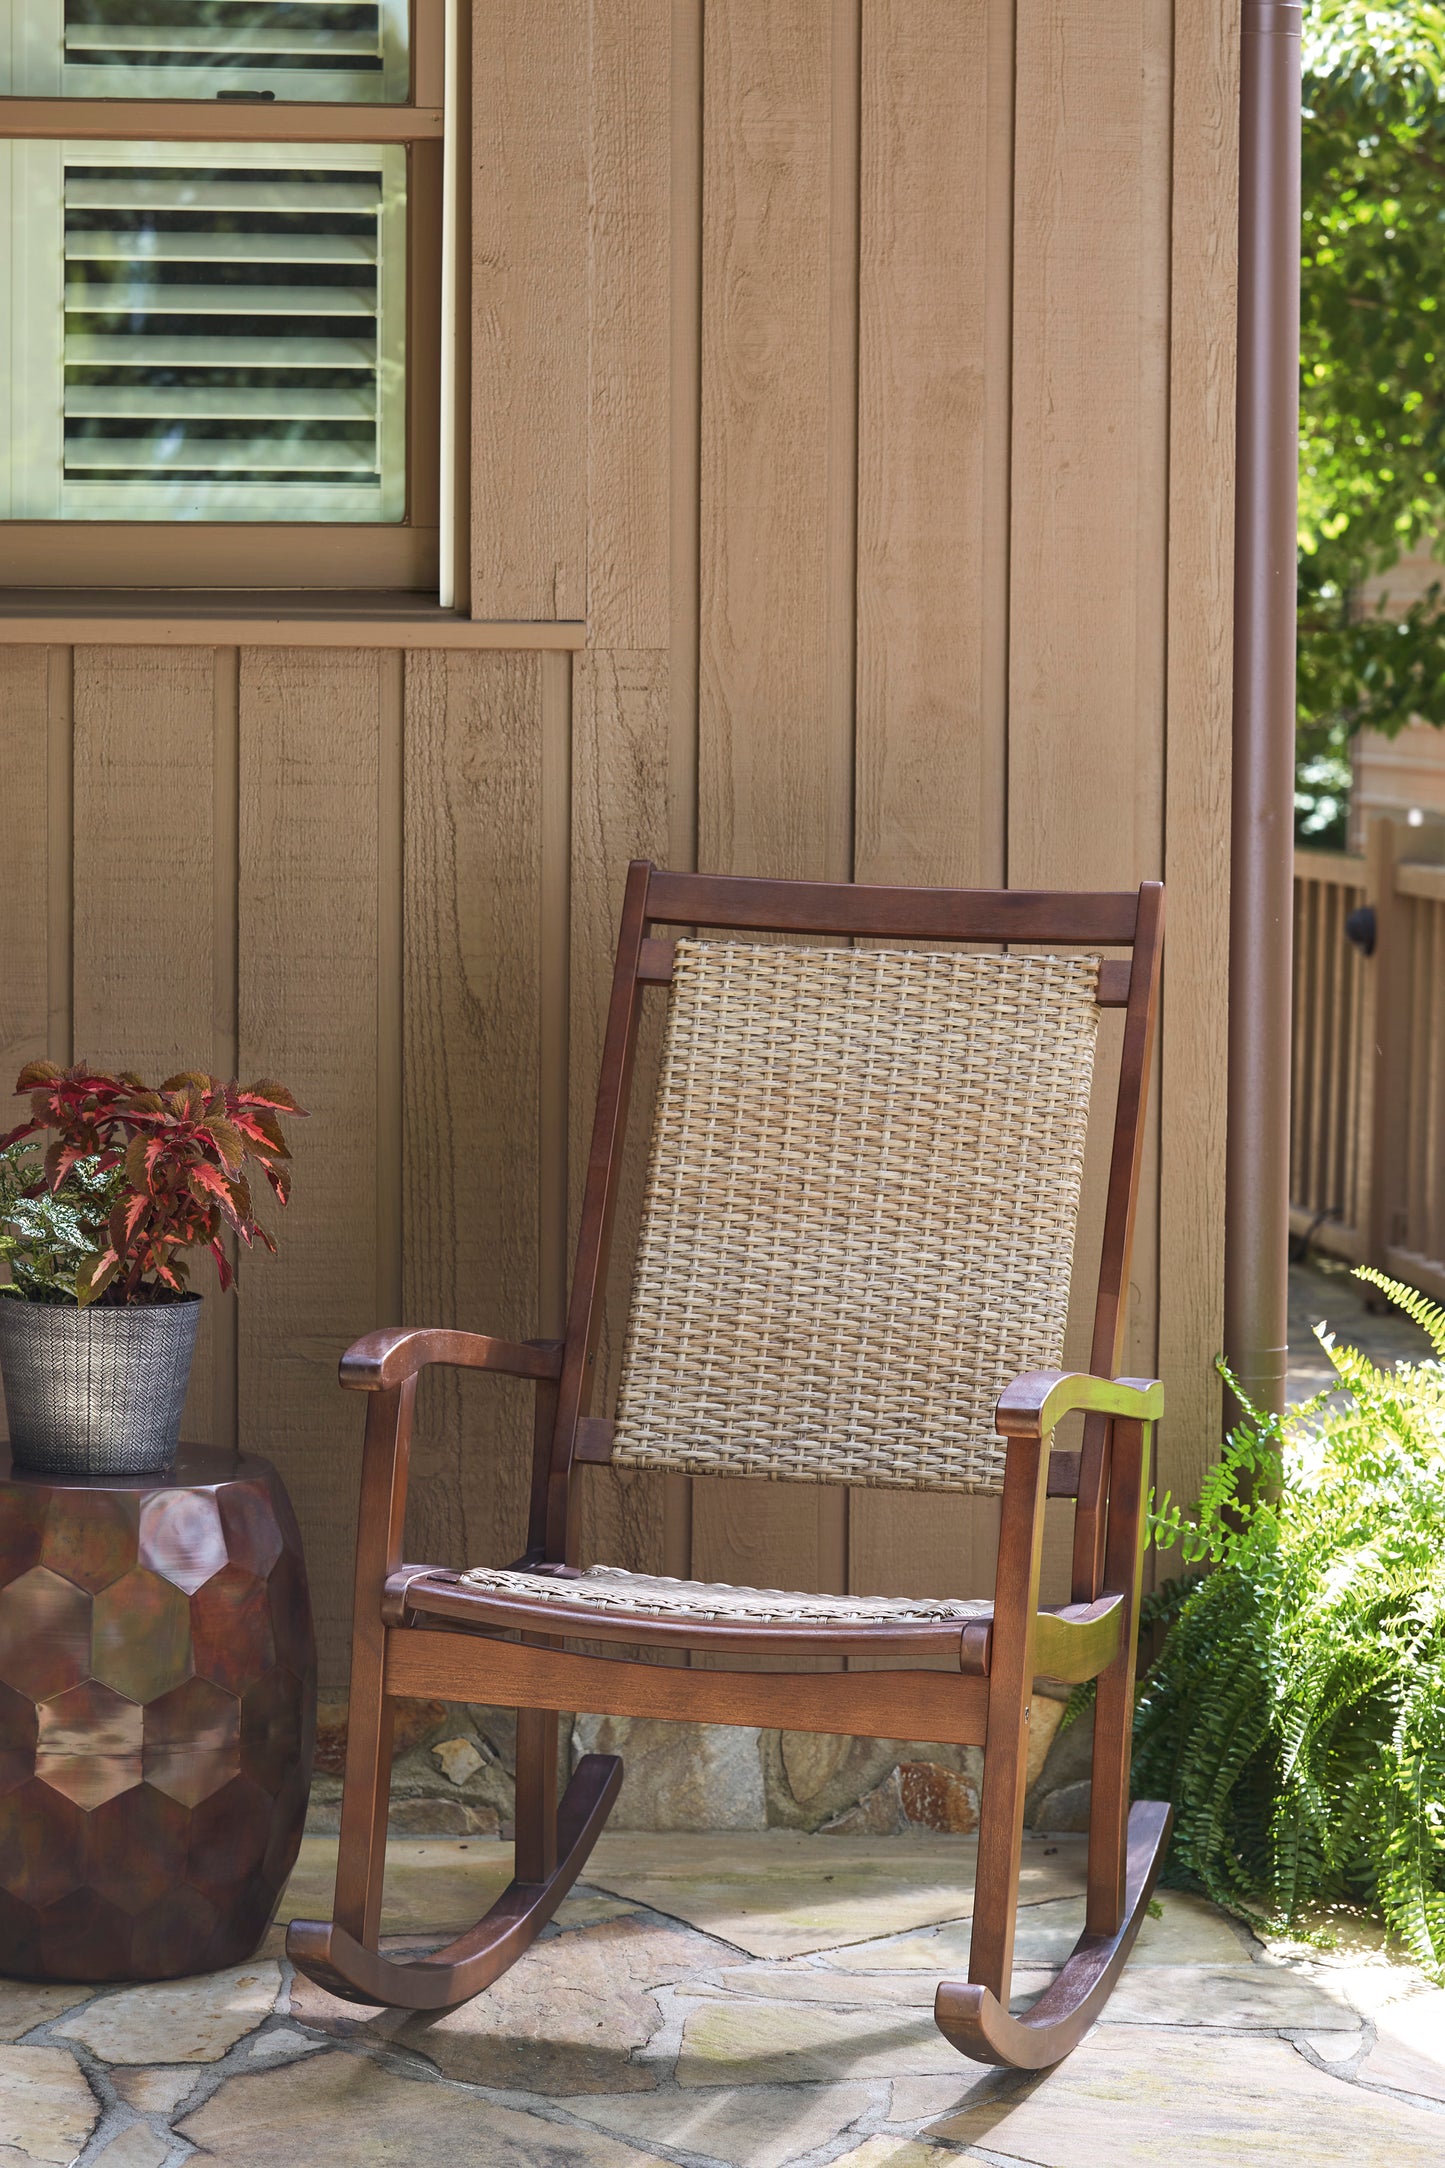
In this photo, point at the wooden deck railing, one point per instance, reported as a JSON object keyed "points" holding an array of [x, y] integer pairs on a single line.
{"points": [[1367, 1128]]}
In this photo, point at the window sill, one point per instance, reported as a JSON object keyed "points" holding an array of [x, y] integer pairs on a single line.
{"points": [[117, 617]]}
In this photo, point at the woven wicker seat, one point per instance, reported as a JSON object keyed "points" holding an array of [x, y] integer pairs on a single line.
{"points": [[854, 1266], [654, 1595]]}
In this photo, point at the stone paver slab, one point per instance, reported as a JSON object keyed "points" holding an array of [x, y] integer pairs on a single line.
{"points": [[780, 1893], [917, 2100], [47, 2111], [25, 2004], [882, 2151], [1332, 2047], [568, 2016], [281, 2118], [845, 1990], [749, 2126], [138, 2147], [1135, 2097], [1409, 2050], [1254, 1998], [778, 2043], [177, 2021], [565, 2019], [155, 2092]]}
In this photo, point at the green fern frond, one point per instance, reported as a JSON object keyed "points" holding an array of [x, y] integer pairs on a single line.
{"points": [[1429, 1316]]}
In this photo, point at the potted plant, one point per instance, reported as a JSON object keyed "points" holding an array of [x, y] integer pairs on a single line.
{"points": [[98, 1326]]}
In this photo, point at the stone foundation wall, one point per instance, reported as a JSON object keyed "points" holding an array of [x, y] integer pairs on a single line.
{"points": [[455, 1768]]}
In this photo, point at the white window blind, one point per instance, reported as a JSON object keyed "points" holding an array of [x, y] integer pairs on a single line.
{"points": [[208, 331], [352, 51]]}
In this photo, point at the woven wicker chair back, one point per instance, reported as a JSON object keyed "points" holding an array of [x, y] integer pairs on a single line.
{"points": [[860, 1206]]}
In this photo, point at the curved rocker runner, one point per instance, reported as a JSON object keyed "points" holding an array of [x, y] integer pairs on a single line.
{"points": [[903, 1128]]}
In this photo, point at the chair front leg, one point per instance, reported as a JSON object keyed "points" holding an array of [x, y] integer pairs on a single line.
{"points": [[365, 1801], [1114, 1695], [1010, 1692]]}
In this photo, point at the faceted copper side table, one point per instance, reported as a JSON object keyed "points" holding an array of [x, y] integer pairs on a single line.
{"points": [[157, 1716]]}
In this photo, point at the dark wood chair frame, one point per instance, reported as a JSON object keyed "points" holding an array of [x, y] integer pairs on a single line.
{"points": [[417, 1630]]}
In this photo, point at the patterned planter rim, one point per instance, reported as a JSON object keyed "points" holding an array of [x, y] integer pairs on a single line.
{"points": [[97, 1391]]}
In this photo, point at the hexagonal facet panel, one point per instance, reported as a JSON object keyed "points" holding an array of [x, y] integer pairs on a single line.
{"points": [[96, 1547], [42, 1844], [44, 1633], [18, 1729], [193, 1741], [22, 1529], [136, 1847], [141, 1640], [271, 1730], [181, 1536], [229, 1833], [231, 1629], [253, 1536], [89, 1744]]}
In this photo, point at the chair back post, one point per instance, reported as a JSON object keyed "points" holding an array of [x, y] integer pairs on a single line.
{"points": [[1116, 1251], [594, 1233]]}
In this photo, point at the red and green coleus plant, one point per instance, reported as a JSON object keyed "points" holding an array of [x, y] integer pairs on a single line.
{"points": [[132, 1178]]}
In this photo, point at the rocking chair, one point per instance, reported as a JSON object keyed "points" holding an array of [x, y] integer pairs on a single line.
{"points": [[854, 1267]]}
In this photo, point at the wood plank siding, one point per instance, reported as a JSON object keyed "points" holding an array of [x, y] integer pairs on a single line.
{"points": [[852, 409]]}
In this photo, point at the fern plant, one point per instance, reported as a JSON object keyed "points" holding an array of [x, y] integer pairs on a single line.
{"points": [[1296, 1713]]}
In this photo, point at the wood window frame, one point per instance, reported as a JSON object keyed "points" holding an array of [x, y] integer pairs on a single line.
{"points": [[78, 557]]}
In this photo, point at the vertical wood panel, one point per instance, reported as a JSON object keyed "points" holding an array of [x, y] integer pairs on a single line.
{"points": [[145, 849], [310, 728], [1196, 850], [621, 716], [529, 309], [775, 726], [628, 569], [1089, 530], [472, 1075], [25, 895], [778, 479], [225, 931], [24, 864], [937, 129], [934, 290], [1091, 271]]}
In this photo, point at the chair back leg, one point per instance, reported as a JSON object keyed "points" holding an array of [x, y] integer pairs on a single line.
{"points": [[535, 1855]]}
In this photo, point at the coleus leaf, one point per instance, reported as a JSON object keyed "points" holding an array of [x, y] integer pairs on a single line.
{"points": [[268, 1094], [137, 1171], [228, 1142], [264, 1132], [95, 1276]]}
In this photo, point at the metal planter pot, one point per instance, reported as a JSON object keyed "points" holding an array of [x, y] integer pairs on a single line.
{"points": [[96, 1391]]}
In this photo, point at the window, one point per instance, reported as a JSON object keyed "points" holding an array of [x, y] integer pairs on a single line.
{"points": [[219, 314]]}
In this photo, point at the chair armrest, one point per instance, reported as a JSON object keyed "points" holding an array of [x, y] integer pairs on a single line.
{"points": [[382, 1360], [1034, 1403]]}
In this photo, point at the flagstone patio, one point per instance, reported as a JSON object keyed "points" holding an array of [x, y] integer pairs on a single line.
{"points": [[750, 2000]]}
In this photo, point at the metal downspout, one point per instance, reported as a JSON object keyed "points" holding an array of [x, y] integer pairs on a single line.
{"points": [[1256, 1250]]}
